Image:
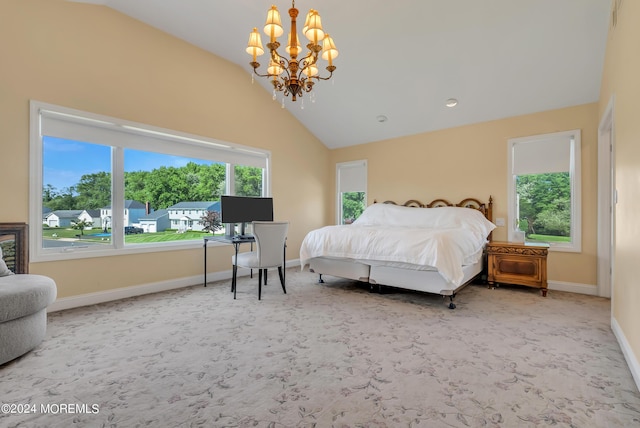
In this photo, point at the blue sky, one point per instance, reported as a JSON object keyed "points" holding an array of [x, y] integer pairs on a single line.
{"points": [[65, 161]]}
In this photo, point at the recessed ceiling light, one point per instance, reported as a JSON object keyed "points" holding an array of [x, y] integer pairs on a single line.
{"points": [[451, 102], [381, 118]]}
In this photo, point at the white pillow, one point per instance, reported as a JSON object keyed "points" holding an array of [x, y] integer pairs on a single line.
{"points": [[438, 218], [4, 270]]}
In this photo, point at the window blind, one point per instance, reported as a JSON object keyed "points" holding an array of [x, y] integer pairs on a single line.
{"points": [[542, 156], [108, 132], [352, 177]]}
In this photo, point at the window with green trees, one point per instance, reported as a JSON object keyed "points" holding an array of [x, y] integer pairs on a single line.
{"points": [[544, 189], [101, 185], [351, 185]]}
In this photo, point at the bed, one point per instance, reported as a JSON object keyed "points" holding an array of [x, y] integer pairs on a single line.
{"points": [[434, 248]]}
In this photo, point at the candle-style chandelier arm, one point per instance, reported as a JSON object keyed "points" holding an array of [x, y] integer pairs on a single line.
{"points": [[329, 68], [284, 65], [312, 60]]}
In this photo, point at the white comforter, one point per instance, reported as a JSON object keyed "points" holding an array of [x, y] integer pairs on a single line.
{"points": [[446, 250]]}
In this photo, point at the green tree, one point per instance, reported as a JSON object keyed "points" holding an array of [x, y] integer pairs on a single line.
{"points": [[212, 182], [248, 181], [545, 203], [353, 205], [49, 193], [94, 191], [166, 186], [64, 200], [81, 225], [161, 187], [135, 188], [554, 222]]}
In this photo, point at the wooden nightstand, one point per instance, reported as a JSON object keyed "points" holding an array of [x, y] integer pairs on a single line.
{"points": [[522, 264]]}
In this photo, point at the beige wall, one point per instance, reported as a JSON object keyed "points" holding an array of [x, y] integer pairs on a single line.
{"points": [[471, 161], [94, 59], [622, 79]]}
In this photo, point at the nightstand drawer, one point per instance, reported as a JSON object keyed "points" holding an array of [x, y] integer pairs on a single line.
{"points": [[517, 268]]}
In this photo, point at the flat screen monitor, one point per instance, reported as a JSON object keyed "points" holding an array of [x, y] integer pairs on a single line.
{"points": [[245, 209]]}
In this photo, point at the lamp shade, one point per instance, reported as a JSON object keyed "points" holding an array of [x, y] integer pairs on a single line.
{"points": [[273, 26], [310, 70], [313, 27], [329, 50], [306, 21], [274, 68], [254, 47]]}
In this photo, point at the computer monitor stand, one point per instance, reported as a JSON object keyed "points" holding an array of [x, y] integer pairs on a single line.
{"points": [[243, 227]]}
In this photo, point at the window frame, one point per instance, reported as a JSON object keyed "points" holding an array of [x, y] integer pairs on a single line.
{"points": [[575, 174], [135, 135]]}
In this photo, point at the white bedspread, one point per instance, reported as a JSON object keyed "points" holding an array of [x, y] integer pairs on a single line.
{"points": [[446, 250]]}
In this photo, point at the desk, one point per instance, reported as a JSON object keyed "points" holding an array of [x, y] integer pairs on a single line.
{"points": [[225, 239]]}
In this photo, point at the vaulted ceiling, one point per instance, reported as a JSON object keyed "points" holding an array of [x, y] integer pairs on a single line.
{"points": [[403, 59]]}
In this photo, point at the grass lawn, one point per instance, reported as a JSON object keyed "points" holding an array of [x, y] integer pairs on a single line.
{"points": [[167, 235], [547, 238], [98, 236]]}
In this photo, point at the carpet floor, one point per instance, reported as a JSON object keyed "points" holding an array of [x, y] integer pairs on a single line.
{"points": [[330, 355]]}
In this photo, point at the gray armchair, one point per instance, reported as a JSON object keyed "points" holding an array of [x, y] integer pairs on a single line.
{"points": [[23, 311]]}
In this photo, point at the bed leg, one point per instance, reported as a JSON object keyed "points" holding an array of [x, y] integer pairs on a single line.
{"points": [[320, 280], [451, 304]]}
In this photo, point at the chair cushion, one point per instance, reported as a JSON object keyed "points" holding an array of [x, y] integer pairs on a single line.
{"points": [[25, 294], [247, 260]]}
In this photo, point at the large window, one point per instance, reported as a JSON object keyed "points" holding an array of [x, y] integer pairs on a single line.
{"points": [[351, 183], [102, 186], [544, 189]]}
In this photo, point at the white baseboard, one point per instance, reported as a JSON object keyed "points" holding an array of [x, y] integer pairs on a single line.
{"points": [[138, 290], [573, 287], [632, 360], [125, 292]]}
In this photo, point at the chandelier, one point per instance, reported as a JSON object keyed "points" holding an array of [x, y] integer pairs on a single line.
{"points": [[291, 75]]}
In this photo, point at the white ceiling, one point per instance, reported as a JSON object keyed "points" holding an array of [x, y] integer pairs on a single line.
{"points": [[404, 58]]}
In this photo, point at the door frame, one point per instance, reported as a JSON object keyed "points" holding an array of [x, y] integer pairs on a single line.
{"points": [[606, 201]]}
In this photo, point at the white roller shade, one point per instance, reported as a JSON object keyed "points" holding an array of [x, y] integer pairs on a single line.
{"points": [[542, 156], [134, 136], [352, 177]]}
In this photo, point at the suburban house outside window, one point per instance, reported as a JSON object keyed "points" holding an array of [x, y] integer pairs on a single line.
{"points": [[351, 184], [544, 190], [103, 186]]}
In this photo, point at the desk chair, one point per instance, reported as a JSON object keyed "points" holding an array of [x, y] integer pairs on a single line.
{"points": [[270, 252]]}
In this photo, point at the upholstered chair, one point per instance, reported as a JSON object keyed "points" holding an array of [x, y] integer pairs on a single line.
{"points": [[270, 252]]}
